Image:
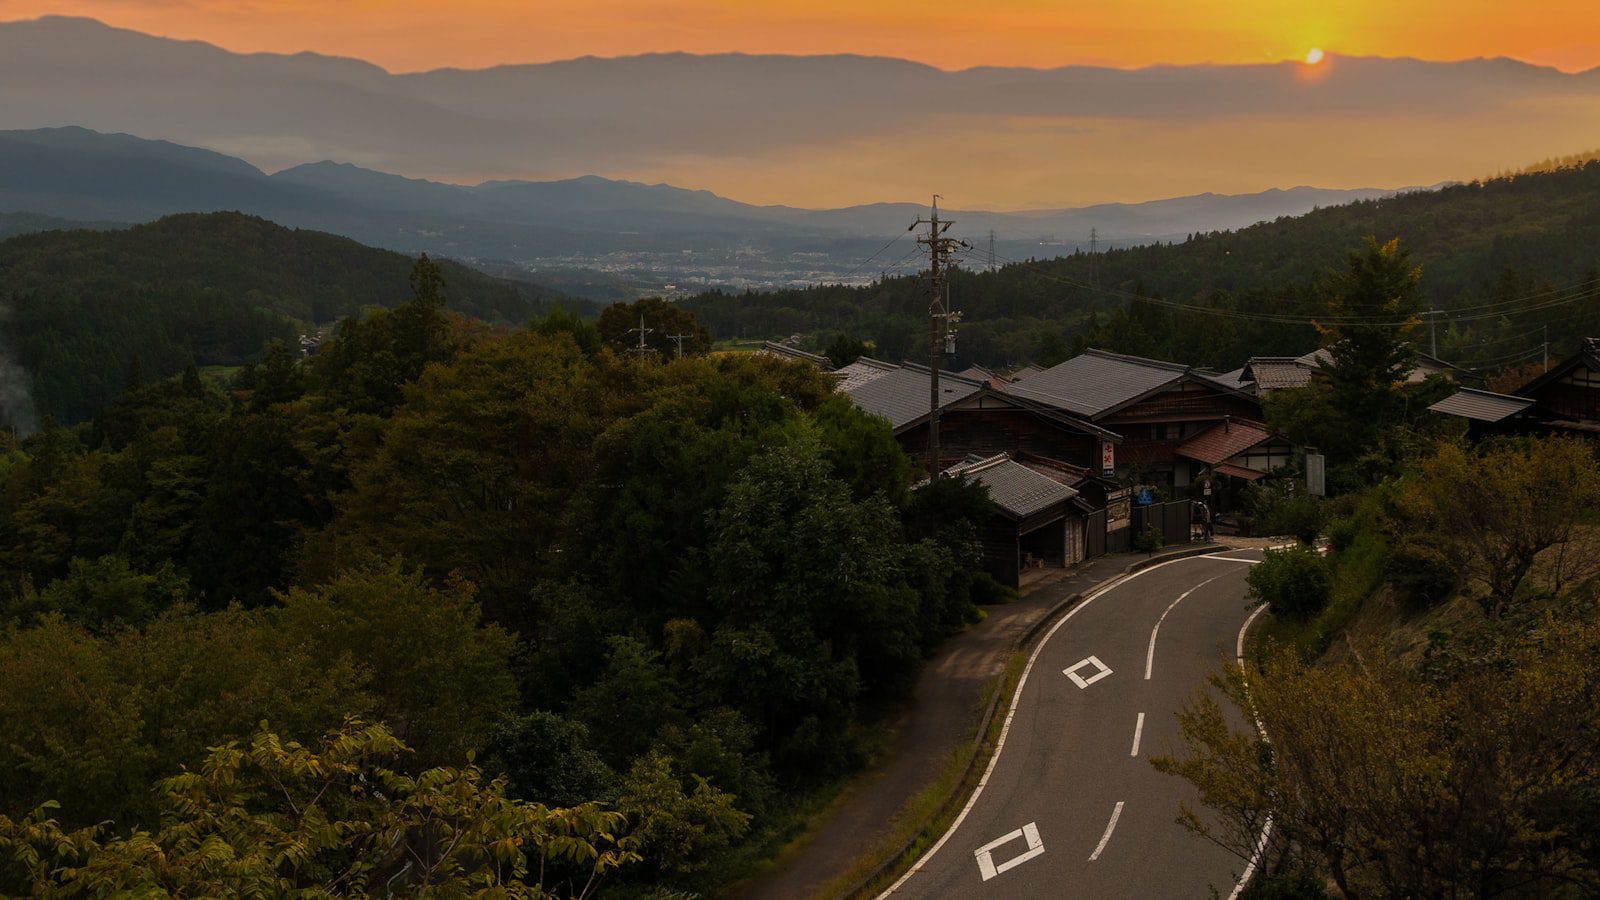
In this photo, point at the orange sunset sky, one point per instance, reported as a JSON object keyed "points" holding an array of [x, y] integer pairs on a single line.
{"points": [[411, 35]]}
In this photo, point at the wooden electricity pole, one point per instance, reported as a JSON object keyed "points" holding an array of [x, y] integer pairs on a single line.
{"points": [[940, 319]]}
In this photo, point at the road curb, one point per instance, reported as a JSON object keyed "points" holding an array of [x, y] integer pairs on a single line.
{"points": [[975, 754]]}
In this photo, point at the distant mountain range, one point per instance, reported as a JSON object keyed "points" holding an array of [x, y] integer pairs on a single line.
{"points": [[81, 175], [811, 131]]}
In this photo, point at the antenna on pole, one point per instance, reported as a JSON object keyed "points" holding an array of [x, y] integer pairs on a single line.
{"points": [[941, 321], [1094, 257], [643, 349]]}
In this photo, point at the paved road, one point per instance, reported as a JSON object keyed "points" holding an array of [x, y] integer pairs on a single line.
{"points": [[1072, 807], [936, 724]]}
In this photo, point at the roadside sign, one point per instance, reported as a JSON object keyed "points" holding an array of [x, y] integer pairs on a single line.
{"points": [[1144, 497], [1207, 489], [1108, 459], [1316, 474]]}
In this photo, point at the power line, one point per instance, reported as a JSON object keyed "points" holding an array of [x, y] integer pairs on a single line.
{"points": [[865, 262], [1592, 290]]}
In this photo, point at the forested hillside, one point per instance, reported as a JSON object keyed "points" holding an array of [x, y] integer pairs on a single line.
{"points": [[205, 289], [682, 589], [1494, 256]]}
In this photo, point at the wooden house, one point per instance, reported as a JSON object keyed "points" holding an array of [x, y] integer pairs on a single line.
{"points": [[1154, 406], [975, 418], [1038, 522], [1564, 400]]}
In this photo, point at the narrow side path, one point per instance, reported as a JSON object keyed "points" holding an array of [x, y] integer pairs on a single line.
{"points": [[938, 720]]}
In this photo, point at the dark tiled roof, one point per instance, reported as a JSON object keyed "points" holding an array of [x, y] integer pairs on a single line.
{"points": [[1223, 441], [860, 372], [1271, 373], [1482, 406], [1017, 490], [1027, 371], [1097, 381], [1234, 379], [773, 348], [900, 394]]}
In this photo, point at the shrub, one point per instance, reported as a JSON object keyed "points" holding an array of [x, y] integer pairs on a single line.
{"points": [[1294, 583], [1300, 884], [1279, 508], [1421, 572], [1149, 539], [1342, 533]]}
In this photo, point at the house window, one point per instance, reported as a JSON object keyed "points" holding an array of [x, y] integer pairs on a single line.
{"points": [[1161, 432]]}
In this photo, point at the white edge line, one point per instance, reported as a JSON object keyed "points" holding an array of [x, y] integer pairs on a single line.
{"points": [[1266, 829], [1138, 732], [1011, 713], [1106, 838], [1150, 655]]}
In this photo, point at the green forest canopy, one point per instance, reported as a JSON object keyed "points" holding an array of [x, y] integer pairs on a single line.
{"points": [[682, 588], [1505, 240], [208, 289]]}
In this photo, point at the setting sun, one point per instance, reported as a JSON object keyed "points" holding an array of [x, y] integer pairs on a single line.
{"points": [[1314, 57]]}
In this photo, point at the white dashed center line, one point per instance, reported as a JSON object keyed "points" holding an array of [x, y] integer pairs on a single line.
{"points": [[1106, 838]]}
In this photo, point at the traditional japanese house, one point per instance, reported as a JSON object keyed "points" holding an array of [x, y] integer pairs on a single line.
{"points": [[1038, 522], [1231, 455], [1569, 394], [974, 417], [784, 351], [1153, 405], [1564, 400], [1264, 374]]}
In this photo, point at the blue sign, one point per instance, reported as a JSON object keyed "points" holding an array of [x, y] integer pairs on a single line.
{"points": [[1144, 497]]}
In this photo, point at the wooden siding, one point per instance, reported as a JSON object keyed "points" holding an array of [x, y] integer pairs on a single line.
{"points": [[985, 432], [1575, 396]]}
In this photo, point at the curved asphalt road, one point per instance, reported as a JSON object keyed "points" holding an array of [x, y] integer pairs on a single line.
{"points": [[1071, 807]]}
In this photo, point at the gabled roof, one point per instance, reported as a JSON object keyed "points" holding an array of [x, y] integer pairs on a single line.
{"points": [[1224, 441], [1588, 355], [1059, 470], [1016, 490], [900, 393], [1097, 382], [773, 348], [979, 373], [1271, 373], [1322, 357], [1041, 409], [863, 370], [1234, 379], [1482, 406], [1027, 371]]}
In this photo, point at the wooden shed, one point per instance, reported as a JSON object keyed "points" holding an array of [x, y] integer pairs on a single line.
{"points": [[1038, 521]]}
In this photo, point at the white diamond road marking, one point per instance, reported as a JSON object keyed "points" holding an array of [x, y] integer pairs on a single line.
{"points": [[985, 854], [1082, 682]]}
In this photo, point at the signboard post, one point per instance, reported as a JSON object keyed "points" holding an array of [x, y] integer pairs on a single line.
{"points": [[1108, 459], [1316, 474]]}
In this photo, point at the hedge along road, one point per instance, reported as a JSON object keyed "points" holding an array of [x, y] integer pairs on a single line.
{"points": [[1070, 806]]}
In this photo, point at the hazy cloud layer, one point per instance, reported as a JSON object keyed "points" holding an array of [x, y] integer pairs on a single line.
{"points": [[818, 131]]}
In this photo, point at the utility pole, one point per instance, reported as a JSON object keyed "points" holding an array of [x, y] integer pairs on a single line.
{"points": [[1433, 333], [992, 257], [941, 337], [642, 349], [678, 338], [1094, 257], [1547, 348]]}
